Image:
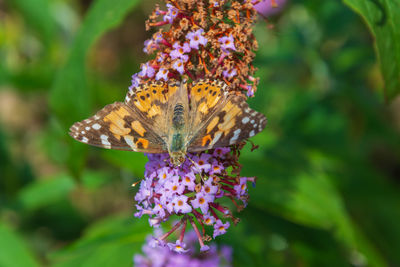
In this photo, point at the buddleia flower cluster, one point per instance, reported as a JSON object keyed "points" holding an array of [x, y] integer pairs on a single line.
{"points": [[156, 255], [195, 40], [202, 39]]}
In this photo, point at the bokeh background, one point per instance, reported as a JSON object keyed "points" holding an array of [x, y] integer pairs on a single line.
{"points": [[328, 168]]}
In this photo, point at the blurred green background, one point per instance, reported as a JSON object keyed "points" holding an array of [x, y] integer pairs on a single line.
{"points": [[328, 166]]}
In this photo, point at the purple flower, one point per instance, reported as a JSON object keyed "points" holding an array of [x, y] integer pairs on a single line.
{"points": [[227, 44], [208, 220], [229, 73], [174, 186], [204, 248], [196, 38], [201, 201], [158, 37], [162, 74], [171, 13], [220, 228], [209, 189], [147, 70], [164, 174], [135, 81], [178, 247], [266, 8], [148, 46], [176, 254], [216, 168], [180, 204], [192, 189], [221, 151], [250, 91], [159, 210], [202, 162], [161, 57], [188, 179], [179, 66], [179, 51], [241, 189]]}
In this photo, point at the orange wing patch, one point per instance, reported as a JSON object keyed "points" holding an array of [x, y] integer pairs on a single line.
{"points": [[117, 122], [142, 143], [232, 111], [206, 140], [212, 124], [207, 93], [137, 127]]}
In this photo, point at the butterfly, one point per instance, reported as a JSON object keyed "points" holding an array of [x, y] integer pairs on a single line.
{"points": [[173, 117]]}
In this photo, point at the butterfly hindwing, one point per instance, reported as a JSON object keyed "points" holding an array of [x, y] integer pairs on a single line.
{"points": [[235, 121], [117, 127]]}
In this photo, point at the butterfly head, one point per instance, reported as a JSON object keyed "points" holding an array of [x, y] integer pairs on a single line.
{"points": [[177, 158]]}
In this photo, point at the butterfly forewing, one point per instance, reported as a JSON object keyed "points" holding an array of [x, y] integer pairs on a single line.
{"points": [[116, 126], [152, 103]]}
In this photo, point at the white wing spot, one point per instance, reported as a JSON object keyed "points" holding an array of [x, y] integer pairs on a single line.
{"points": [[85, 140], [96, 117], [245, 120], [216, 138], [96, 126], [129, 141], [252, 133], [83, 132], [252, 121], [235, 136], [104, 141], [87, 128]]}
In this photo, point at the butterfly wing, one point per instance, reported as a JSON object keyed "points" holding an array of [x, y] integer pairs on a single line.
{"points": [[231, 122], [116, 126], [154, 103], [139, 124], [206, 98]]}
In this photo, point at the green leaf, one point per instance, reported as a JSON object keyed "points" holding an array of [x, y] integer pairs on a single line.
{"points": [[37, 15], [13, 250], [311, 199], [111, 242], [41, 193], [70, 99], [128, 160], [383, 20]]}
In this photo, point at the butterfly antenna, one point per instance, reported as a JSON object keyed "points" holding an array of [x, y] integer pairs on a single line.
{"points": [[197, 169], [136, 183]]}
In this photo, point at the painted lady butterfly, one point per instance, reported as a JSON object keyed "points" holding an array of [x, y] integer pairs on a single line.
{"points": [[163, 117]]}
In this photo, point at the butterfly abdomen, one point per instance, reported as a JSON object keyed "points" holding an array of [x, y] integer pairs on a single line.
{"points": [[178, 123], [177, 118]]}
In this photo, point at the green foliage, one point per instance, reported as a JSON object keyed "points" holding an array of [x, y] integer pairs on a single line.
{"points": [[383, 20], [327, 192], [37, 14], [39, 194], [70, 98], [14, 251], [110, 242]]}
